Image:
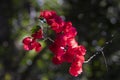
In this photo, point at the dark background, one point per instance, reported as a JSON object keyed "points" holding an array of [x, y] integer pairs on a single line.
{"points": [[97, 23]]}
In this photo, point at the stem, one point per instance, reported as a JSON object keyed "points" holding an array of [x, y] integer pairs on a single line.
{"points": [[91, 58], [101, 49], [50, 39]]}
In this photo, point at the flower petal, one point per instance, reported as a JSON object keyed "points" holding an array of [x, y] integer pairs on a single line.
{"points": [[27, 40], [37, 47]]}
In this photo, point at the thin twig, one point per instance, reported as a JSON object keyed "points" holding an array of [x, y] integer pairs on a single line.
{"points": [[101, 50], [105, 60], [91, 57]]}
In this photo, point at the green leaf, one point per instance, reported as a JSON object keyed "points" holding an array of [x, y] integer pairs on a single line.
{"points": [[35, 29]]}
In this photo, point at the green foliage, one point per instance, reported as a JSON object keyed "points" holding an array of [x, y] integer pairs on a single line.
{"points": [[35, 29]]}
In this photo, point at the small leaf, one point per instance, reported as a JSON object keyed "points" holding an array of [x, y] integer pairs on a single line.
{"points": [[35, 29]]}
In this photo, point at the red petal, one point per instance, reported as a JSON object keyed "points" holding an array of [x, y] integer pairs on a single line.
{"points": [[27, 47], [27, 40], [75, 69], [72, 42], [47, 14], [38, 34], [82, 49], [69, 55], [37, 47], [57, 60], [79, 58]]}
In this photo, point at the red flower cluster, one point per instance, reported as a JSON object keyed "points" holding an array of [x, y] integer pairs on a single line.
{"points": [[53, 20], [31, 42], [65, 47]]}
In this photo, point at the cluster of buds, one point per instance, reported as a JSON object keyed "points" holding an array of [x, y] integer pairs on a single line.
{"points": [[31, 42], [64, 46]]}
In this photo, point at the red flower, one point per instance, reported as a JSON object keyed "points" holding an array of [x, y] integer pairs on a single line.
{"points": [[71, 32], [53, 20], [61, 40], [57, 59], [30, 44], [81, 50], [47, 14], [75, 69], [37, 47], [38, 34], [71, 42], [65, 47], [69, 55], [57, 50], [76, 66], [67, 26], [57, 24]]}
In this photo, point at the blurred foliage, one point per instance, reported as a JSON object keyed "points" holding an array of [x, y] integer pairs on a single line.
{"points": [[97, 23]]}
